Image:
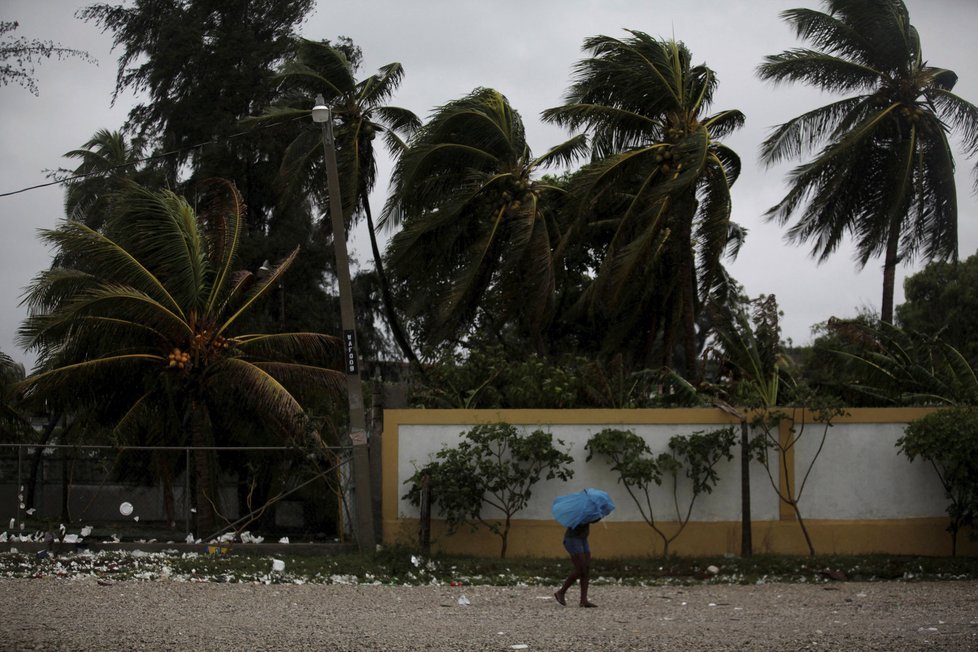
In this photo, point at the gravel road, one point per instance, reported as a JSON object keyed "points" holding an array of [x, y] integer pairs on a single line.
{"points": [[85, 615]]}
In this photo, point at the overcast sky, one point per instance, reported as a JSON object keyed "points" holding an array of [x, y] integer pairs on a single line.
{"points": [[526, 50]]}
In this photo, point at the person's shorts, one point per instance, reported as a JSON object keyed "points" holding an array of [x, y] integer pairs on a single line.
{"points": [[576, 546]]}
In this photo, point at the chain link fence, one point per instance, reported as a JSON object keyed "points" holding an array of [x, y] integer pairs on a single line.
{"points": [[145, 493]]}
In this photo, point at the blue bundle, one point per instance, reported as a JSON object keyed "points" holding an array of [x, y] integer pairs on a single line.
{"points": [[582, 507]]}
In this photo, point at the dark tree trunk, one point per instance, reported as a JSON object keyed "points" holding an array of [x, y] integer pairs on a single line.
{"points": [[204, 481], [889, 274], [46, 435], [746, 543], [385, 293]]}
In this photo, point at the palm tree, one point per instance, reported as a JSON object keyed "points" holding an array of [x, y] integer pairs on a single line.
{"points": [[885, 171], [661, 177], [362, 113], [12, 420], [141, 327], [475, 219], [106, 161]]}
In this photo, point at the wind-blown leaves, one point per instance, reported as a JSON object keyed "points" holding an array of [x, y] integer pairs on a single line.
{"points": [[658, 169], [881, 170], [143, 323], [476, 217]]}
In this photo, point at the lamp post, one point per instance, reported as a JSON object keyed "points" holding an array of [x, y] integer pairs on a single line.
{"points": [[358, 433]]}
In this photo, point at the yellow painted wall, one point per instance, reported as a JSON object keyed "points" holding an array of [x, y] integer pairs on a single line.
{"points": [[542, 538]]}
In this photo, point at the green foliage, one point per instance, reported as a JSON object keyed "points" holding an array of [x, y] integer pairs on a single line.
{"points": [[14, 425], [630, 457], [396, 566], [948, 439], [661, 179], [489, 377], [908, 368], [830, 364], [754, 370], [140, 326], [881, 169], [477, 235], [495, 466], [941, 300]]}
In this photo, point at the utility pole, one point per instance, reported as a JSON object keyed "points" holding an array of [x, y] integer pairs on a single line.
{"points": [[322, 114]]}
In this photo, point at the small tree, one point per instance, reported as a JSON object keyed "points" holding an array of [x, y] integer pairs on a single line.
{"points": [[948, 439], [809, 411], [495, 465], [631, 458]]}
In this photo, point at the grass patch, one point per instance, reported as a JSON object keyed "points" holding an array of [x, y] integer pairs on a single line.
{"points": [[401, 566]]}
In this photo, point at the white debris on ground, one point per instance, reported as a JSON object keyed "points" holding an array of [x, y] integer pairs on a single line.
{"points": [[176, 614]]}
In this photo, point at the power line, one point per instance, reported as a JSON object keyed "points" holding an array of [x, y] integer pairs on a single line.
{"points": [[148, 158]]}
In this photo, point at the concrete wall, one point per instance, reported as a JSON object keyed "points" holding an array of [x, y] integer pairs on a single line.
{"points": [[860, 496]]}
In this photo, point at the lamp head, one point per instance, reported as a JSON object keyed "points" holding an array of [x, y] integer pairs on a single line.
{"points": [[321, 112]]}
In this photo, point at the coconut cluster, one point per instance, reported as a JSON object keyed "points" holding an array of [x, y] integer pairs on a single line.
{"points": [[178, 358]]}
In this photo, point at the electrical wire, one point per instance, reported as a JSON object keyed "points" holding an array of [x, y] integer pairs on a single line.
{"points": [[148, 158]]}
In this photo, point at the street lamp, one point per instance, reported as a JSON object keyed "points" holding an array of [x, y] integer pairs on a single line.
{"points": [[322, 115]]}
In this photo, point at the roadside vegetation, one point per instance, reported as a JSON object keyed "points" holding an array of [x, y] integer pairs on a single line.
{"points": [[401, 566], [591, 275]]}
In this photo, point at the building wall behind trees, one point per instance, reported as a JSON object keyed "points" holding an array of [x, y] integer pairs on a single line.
{"points": [[861, 496]]}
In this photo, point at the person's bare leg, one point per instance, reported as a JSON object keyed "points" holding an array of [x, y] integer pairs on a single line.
{"points": [[585, 571], [580, 566]]}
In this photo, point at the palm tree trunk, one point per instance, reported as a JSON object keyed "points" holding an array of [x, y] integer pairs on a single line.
{"points": [[889, 274], [746, 543], [200, 439], [38, 457], [385, 293], [687, 285]]}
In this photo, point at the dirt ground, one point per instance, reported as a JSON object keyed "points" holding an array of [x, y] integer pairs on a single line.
{"points": [[83, 614]]}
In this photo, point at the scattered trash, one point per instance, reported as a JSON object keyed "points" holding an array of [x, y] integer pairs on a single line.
{"points": [[278, 566], [42, 554], [218, 550], [190, 538], [519, 646], [284, 540], [135, 518], [70, 538], [13, 523], [85, 531], [712, 570], [247, 537], [463, 584], [125, 509], [462, 600]]}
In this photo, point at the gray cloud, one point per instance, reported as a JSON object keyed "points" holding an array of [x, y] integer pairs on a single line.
{"points": [[526, 50]]}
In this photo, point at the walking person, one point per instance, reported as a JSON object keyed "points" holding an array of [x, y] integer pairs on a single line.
{"points": [[576, 544], [576, 512]]}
